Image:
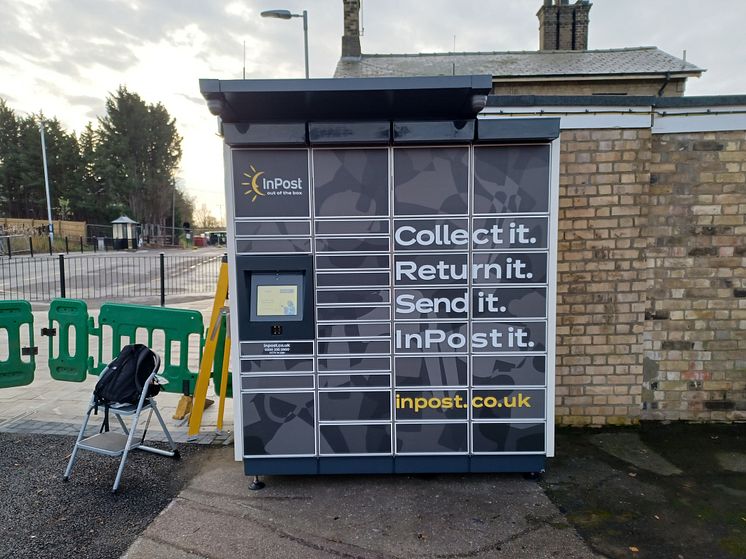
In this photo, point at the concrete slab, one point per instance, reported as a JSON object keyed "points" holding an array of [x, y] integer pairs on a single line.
{"points": [[630, 448], [477, 516]]}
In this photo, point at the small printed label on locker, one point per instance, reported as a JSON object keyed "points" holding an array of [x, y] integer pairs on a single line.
{"points": [[276, 348]]}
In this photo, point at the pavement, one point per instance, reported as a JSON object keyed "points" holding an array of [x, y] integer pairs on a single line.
{"points": [[656, 491], [361, 517], [53, 407]]}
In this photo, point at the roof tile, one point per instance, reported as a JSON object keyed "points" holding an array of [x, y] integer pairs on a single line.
{"points": [[638, 60]]}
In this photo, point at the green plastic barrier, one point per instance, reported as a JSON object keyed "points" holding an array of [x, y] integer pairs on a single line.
{"points": [[177, 325], [217, 364], [66, 315], [18, 369]]}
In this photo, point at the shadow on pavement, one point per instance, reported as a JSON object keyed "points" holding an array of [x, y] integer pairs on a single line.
{"points": [[658, 491]]}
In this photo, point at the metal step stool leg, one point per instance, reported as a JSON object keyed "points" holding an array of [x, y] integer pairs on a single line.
{"points": [[130, 437], [163, 426], [74, 455]]}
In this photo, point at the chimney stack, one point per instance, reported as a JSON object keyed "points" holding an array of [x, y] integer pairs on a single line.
{"points": [[351, 37], [564, 26]]}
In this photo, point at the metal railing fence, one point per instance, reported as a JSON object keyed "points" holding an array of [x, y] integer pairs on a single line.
{"points": [[108, 276]]}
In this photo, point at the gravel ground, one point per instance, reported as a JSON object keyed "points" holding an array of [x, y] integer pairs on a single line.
{"points": [[40, 516]]}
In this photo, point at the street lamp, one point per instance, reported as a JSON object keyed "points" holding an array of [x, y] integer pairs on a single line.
{"points": [[46, 179], [286, 14]]}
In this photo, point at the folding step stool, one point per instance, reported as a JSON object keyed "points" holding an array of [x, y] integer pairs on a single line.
{"points": [[111, 443]]}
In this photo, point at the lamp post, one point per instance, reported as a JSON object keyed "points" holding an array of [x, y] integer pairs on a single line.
{"points": [[286, 14], [46, 179]]}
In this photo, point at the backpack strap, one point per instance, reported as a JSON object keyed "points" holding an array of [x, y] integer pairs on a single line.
{"points": [[144, 352], [105, 424]]}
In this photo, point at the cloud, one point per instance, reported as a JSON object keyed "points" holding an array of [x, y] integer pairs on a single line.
{"points": [[67, 56]]}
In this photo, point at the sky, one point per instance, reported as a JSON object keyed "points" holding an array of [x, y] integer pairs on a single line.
{"points": [[65, 56]]}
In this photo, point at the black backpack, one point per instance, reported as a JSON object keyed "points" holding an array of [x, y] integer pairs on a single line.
{"points": [[122, 381]]}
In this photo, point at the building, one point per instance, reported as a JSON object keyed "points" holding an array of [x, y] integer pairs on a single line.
{"points": [[563, 65], [651, 304]]}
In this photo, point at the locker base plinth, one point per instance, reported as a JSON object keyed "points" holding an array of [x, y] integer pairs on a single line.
{"points": [[430, 464]]}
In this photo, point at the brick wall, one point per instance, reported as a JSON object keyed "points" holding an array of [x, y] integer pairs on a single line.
{"points": [[674, 88], [695, 343], [604, 181], [651, 302]]}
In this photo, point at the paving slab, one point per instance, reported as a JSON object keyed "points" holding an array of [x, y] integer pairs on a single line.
{"points": [[56, 407], [395, 516]]}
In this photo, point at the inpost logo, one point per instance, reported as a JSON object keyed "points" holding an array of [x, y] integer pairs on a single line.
{"points": [[260, 185]]}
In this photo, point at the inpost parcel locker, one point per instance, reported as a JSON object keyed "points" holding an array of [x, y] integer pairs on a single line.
{"points": [[392, 266]]}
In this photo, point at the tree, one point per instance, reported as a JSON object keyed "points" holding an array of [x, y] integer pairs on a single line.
{"points": [[22, 187], [137, 156], [8, 157], [204, 219]]}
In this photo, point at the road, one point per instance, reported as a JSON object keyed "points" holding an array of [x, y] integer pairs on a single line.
{"points": [[110, 275]]}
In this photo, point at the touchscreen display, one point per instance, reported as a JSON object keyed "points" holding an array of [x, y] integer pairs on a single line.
{"points": [[277, 297], [277, 300]]}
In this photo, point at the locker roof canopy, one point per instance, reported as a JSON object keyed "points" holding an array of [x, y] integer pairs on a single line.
{"points": [[267, 101]]}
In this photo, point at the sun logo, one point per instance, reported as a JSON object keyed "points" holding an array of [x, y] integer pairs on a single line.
{"points": [[254, 176]]}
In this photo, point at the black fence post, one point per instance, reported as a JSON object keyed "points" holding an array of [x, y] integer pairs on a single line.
{"points": [[49, 242], [81, 245], [163, 280], [67, 246], [10, 251], [31, 245], [62, 276]]}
